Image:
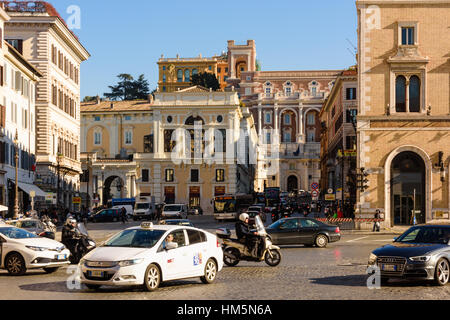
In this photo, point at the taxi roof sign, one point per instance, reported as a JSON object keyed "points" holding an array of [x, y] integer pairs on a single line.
{"points": [[147, 225]]}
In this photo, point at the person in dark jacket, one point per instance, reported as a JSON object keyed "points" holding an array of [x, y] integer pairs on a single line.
{"points": [[245, 235], [69, 235], [376, 224]]}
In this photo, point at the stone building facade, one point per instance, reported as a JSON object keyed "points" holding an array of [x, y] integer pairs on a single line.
{"points": [[404, 113]]}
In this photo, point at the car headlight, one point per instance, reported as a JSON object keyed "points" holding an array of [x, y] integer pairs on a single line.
{"points": [[420, 258], [36, 248], [372, 259], [126, 263]]}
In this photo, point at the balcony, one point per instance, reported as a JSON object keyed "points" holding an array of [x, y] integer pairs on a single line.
{"points": [[283, 96]]}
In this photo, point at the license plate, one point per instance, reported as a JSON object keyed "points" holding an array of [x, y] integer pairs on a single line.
{"points": [[96, 273], [389, 267], [60, 257]]}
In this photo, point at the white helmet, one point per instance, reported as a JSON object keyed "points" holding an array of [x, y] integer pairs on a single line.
{"points": [[243, 217]]}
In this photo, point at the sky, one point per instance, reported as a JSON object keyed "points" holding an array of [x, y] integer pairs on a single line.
{"points": [[130, 36]]}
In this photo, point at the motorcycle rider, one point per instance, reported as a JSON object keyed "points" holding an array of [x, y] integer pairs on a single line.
{"points": [[245, 235], [69, 235]]}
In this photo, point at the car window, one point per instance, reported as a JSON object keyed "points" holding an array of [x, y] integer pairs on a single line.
{"points": [[135, 238], [178, 237], [306, 223], [28, 224], [409, 236], [196, 236], [16, 233], [290, 224]]}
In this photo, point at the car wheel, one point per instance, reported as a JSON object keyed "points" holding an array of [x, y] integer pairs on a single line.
{"points": [[152, 278], [210, 272], [272, 257], [15, 265], [321, 241], [442, 272], [51, 270], [229, 261], [93, 286]]}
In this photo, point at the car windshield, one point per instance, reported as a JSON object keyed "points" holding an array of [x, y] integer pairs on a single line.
{"points": [[135, 238], [436, 235], [172, 208], [16, 233], [142, 206], [27, 224], [276, 224]]}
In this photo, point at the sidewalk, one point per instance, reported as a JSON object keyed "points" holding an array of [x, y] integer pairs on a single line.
{"points": [[387, 231]]}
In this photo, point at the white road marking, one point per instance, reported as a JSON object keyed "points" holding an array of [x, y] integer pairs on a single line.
{"points": [[357, 239]]}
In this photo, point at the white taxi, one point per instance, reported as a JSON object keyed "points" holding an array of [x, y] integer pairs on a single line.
{"points": [[151, 254], [21, 250]]}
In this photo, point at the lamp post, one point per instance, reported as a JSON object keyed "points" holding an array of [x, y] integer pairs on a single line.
{"points": [[16, 191]]}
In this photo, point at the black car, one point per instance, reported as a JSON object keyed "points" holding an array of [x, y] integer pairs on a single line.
{"points": [[177, 222], [305, 231], [107, 215], [422, 252]]}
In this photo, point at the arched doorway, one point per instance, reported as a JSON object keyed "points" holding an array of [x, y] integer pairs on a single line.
{"points": [[408, 196], [113, 188], [292, 184]]}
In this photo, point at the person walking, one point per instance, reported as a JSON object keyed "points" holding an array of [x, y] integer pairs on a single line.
{"points": [[376, 224], [123, 214]]}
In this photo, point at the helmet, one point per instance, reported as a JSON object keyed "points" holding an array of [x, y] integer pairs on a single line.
{"points": [[243, 217], [71, 220]]}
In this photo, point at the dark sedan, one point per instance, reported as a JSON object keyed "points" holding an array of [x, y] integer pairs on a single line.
{"points": [[177, 222], [305, 231], [107, 215], [422, 252]]}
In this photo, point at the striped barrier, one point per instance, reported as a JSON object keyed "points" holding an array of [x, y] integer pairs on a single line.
{"points": [[349, 220]]}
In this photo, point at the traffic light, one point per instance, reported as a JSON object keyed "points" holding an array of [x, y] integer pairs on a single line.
{"points": [[362, 181]]}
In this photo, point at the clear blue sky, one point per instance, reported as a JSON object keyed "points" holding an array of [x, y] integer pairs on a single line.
{"points": [[130, 36]]}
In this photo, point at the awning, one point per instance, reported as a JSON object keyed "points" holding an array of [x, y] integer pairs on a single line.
{"points": [[25, 187], [3, 208]]}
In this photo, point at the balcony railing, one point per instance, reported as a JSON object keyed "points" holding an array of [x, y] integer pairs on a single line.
{"points": [[24, 6]]}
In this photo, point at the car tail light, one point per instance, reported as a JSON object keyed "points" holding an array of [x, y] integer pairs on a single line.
{"points": [[217, 243], [337, 230]]}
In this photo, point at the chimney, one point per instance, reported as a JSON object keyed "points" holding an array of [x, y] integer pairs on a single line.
{"points": [[150, 98], [112, 105], [98, 100]]}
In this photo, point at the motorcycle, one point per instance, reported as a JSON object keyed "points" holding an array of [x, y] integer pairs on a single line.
{"points": [[235, 251], [84, 244], [47, 222]]}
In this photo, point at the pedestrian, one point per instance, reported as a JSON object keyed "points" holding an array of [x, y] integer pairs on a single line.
{"points": [[123, 214], [339, 213], [376, 225]]}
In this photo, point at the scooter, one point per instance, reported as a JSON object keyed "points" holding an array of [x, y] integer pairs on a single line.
{"points": [[235, 251], [84, 245]]}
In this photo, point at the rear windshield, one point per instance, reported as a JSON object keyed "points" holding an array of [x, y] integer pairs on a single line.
{"points": [[16, 233]]}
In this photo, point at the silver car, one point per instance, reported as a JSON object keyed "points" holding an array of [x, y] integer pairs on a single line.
{"points": [[422, 252]]}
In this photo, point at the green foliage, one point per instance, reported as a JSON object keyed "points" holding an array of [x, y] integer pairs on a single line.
{"points": [[258, 65], [90, 98], [205, 79], [128, 88]]}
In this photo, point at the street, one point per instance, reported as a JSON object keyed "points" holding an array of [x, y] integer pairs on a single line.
{"points": [[336, 272]]}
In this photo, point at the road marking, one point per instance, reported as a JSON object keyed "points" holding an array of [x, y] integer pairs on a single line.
{"points": [[357, 239]]}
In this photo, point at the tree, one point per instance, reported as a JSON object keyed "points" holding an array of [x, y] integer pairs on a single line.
{"points": [[205, 79], [90, 98], [128, 88]]}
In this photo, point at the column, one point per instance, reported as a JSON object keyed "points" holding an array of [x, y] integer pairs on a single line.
{"points": [[301, 134], [259, 118], [276, 134]]}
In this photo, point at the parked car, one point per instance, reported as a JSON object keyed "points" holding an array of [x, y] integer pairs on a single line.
{"points": [[128, 207], [146, 256], [107, 215], [177, 222], [195, 210], [304, 231], [21, 250], [174, 211], [422, 252], [36, 227]]}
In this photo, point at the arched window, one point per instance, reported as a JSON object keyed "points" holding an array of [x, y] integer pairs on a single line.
{"points": [[414, 94], [400, 94], [187, 75], [287, 118], [180, 75], [194, 71], [191, 121]]}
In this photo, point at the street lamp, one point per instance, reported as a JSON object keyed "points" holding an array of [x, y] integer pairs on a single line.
{"points": [[16, 158]]}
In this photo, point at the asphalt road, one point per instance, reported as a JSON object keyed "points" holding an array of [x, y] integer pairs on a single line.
{"points": [[335, 272]]}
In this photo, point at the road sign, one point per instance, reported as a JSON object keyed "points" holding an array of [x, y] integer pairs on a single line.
{"points": [[330, 197], [76, 200], [315, 186], [314, 193]]}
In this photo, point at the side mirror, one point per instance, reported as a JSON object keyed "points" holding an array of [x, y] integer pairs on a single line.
{"points": [[171, 245]]}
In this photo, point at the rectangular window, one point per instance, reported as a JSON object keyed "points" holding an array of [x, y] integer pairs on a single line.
{"points": [[288, 91], [408, 36], [97, 118], [17, 44], [287, 137], [194, 175], [128, 137], [219, 70], [268, 118], [127, 118], [145, 175], [351, 115], [350, 142], [169, 144], [220, 175], [268, 138], [311, 119], [311, 137], [169, 175], [350, 94], [97, 138]]}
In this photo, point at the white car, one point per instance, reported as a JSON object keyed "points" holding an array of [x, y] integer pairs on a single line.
{"points": [[21, 250], [175, 211], [143, 256]]}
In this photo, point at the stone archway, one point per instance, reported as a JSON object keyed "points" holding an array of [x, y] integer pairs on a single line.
{"points": [[292, 183], [113, 188], [388, 205]]}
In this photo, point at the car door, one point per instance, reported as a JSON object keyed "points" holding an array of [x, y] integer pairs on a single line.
{"points": [[175, 261], [288, 232], [307, 231], [198, 251]]}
